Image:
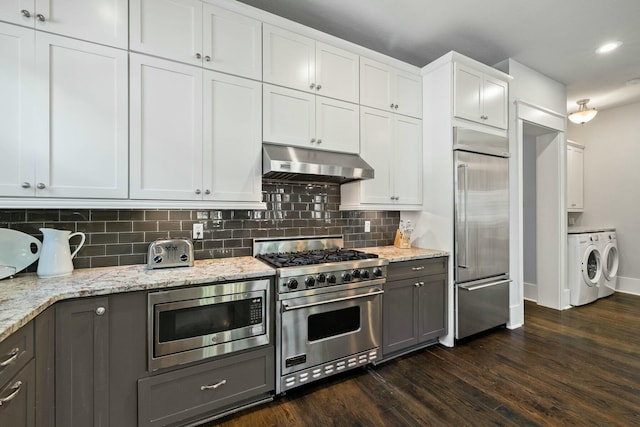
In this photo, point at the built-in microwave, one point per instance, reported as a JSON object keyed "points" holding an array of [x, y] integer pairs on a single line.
{"points": [[190, 324]]}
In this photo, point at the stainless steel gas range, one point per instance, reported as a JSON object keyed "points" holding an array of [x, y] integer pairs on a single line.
{"points": [[328, 307]]}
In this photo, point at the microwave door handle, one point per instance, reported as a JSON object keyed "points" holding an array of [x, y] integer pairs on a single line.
{"points": [[287, 307], [464, 167]]}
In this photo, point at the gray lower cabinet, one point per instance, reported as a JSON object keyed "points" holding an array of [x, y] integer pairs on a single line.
{"points": [[191, 393], [414, 305], [82, 363], [45, 333]]}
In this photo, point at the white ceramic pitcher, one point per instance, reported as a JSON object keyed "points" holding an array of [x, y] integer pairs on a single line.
{"points": [[56, 256]]}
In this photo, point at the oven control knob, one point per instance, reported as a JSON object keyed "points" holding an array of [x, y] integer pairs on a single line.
{"points": [[377, 272], [292, 284], [364, 274], [321, 278], [346, 277], [309, 282], [355, 274], [331, 278]]}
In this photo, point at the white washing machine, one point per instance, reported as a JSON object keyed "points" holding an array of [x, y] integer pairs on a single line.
{"points": [[585, 267], [609, 251]]}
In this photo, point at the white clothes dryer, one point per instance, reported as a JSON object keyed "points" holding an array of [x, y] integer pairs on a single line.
{"points": [[585, 267], [609, 252]]}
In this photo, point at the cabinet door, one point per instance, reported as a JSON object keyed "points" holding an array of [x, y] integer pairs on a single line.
{"points": [[232, 147], [376, 82], [11, 11], [232, 43], [431, 307], [166, 129], [398, 316], [407, 165], [82, 363], [337, 125], [17, 172], [408, 94], [167, 28], [289, 59], [337, 73], [21, 409], [376, 139], [99, 21], [81, 119], [289, 117], [467, 93], [495, 98], [575, 179]]}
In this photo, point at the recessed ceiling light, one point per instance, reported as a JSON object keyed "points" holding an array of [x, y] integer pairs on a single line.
{"points": [[608, 47]]}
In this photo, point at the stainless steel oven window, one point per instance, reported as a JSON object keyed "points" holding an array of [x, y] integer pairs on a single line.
{"points": [[333, 323]]}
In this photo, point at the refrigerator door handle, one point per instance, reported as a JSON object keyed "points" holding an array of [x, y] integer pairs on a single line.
{"points": [[464, 167], [483, 285]]}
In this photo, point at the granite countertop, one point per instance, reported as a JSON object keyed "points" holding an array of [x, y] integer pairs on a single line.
{"points": [[581, 229], [25, 296], [394, 254]]}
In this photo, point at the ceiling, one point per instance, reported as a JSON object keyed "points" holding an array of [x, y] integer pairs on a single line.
{"points": [[558, 38]]}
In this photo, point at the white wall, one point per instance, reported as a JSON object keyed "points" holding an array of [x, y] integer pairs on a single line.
{"points": [[612, 183]]}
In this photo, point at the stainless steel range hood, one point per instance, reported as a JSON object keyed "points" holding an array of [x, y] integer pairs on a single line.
{"points": [[303, 164]]}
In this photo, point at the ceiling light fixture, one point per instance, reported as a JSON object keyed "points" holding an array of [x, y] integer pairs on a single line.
{"points": [[608, 47], [584, 114]]}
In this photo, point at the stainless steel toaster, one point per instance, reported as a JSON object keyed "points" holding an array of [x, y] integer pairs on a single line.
{"points": [[165, 253]]}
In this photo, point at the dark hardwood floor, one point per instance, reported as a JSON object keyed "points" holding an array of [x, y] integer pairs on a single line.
{"points": [[574, 367]]}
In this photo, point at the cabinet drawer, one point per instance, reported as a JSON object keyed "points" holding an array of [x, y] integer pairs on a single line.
{"points": [[416, 268], [178, 396], [18, 399], [15, 352]]}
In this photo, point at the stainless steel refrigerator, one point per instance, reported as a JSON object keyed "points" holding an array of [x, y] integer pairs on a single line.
{"points": [[481, 251]]}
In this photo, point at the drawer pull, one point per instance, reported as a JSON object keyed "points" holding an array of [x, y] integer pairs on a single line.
{"points": [[12, 356], [418, 268], [213, 386], [16, 387]]}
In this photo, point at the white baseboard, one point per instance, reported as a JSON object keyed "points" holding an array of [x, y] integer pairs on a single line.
{"points": [[530, 291], [628, 285]]}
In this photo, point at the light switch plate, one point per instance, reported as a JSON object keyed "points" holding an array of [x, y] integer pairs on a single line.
{"points": [[367, 226], [198, 231]]}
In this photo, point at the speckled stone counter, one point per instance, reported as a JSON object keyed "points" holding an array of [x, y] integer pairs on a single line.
{"points": [[24, 297], [581, 229], [394, 254]]}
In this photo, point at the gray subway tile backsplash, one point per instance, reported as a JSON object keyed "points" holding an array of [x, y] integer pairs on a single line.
{"points": [[122, 237]]}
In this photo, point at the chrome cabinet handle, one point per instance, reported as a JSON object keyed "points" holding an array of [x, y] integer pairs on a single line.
{"points": [[391, 105], [13, 355], [16, 386], [198, 191], [40, 17], [26, 185], [312, 85], [41, 186], [484, 117], [418, 284], [319, 141], [207, 191], [25, 13], [313, 140], [418, 268], [395, 106], [198, 56], [100, 311], [318, 87], [207, 58], [213, 386]]}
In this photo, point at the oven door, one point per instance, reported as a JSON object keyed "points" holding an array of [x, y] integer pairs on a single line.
{"points": [[320, 328]]}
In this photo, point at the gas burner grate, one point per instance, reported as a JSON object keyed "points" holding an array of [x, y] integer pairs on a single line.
{"points": [[292, 259]]}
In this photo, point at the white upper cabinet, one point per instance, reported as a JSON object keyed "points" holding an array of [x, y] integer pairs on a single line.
{"points": [[64, 117], [390, 89], [575, 177], [195, 134], [302, 119], [392, 145], [199, 34], [301, 63], [479, 97], [99, 21]]}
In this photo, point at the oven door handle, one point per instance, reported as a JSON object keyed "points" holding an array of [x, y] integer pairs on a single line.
{"points": [[286, 307]]}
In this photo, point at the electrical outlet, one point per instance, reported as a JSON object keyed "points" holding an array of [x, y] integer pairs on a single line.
{"points": [[367, 226], [198, 231]]}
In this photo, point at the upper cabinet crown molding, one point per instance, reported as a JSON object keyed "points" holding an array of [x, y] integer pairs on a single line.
{"points": [[99, 21], [197, 33]]}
